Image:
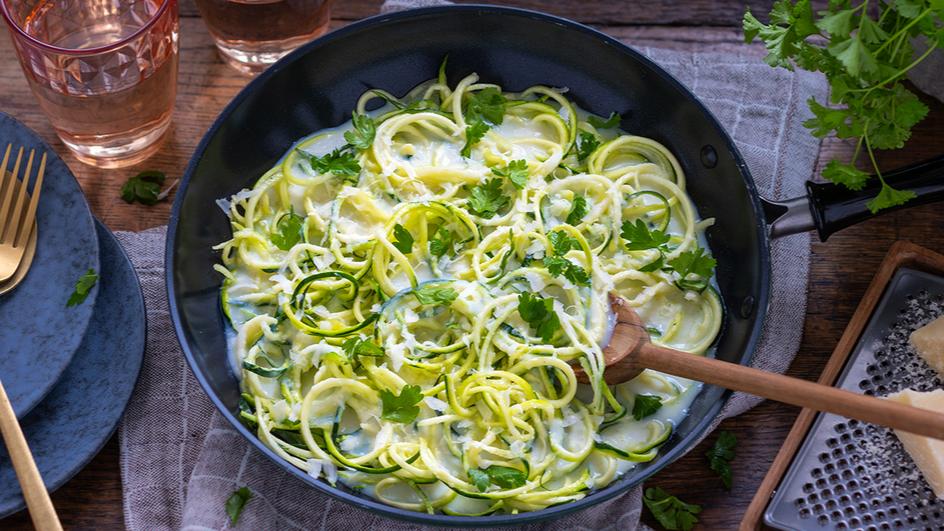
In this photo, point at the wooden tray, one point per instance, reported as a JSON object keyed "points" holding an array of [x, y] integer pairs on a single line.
{"points": [[901, 254]]}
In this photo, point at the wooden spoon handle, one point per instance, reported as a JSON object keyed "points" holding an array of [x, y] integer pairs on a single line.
{"points": [[792, 390], [34, 490]]}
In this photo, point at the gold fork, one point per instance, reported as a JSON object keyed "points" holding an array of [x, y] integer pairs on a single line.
{"points": [[16, 228], [15, 225]]}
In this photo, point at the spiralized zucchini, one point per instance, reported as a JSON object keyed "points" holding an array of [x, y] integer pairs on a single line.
{"points": [[375, 280]]}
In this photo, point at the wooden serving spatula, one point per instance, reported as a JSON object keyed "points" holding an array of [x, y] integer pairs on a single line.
{"points": [[630, 351]]}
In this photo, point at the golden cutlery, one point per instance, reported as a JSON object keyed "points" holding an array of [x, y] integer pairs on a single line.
{"points": [[25, 263], [16, 225], [17, 244]]}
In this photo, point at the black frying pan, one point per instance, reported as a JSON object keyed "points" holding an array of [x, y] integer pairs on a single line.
{"points": [[318, 85]]}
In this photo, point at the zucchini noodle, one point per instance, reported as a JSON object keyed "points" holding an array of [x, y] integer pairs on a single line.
{"points": [[390, 258]]}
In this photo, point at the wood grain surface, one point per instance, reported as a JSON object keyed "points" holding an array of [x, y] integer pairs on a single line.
{"points": [[840, 273]]}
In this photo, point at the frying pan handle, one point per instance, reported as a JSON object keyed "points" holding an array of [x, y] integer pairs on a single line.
{"points": [[830, 207]]}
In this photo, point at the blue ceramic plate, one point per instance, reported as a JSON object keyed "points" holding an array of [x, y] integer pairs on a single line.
{"points": [[70, 427], [40, 334]]}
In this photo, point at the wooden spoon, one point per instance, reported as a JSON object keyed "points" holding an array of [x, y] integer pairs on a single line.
{"points": [[630, 351]]}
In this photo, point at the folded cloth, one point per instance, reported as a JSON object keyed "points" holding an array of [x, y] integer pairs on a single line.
{"points": [[180, 460]]}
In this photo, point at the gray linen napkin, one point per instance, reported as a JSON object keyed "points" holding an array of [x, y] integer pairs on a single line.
{"points": [[180, 460]]}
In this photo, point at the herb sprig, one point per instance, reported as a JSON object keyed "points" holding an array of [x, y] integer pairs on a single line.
{"points": [[865, 54], [720, 456], [671, 512], [82, 288], [403, 407]]}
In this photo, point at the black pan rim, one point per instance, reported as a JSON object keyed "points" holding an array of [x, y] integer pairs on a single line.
{"points": [[617, 488]]}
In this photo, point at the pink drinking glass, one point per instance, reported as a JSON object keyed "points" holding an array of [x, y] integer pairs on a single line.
{"points": [[104, 71]]}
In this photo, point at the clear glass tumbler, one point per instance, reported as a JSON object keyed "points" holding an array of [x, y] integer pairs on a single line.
{"points": [[104, 71], [252, 34]]}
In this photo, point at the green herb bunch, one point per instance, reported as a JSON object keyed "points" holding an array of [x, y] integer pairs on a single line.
{"points": [[865, 51]]}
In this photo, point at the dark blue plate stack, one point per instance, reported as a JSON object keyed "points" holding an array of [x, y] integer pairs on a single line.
{"points": [[69, 371]]}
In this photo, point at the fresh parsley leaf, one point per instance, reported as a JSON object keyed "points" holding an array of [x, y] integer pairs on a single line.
{"points": [[236, 502], [474, 132], [484, 109], [480, 479], [562, 243], [403, 407], [587, 143], [431, 294], [672, 513], [846, 174], [487, 199], [82, 288], [358, 346], [539, 313], [558, 265], [645, 405], [640, 237], [889, 197], [720, 456], [506, 477], [340, 162], [516, 172], [403, 240], [288, 231], [654, 265], [145, 188], [865, 53], [578, 209], [503, 476], [612, 121], [441, 242], [362, 136], [693, 263]]}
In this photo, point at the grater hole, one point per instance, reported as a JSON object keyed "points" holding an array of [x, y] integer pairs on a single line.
{"points": [[855, 523], [836, 515], [822, 519], [842, 526], [832, 442], [830, 504], [821, 483], [808, 488], [818, 509], [804, 513], [817, 472]]}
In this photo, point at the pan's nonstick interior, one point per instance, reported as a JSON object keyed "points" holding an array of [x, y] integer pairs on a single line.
{"points": [[318, 85], [853, 475]]}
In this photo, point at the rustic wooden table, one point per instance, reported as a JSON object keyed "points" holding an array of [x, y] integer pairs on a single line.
{"points": [[840, 270]]}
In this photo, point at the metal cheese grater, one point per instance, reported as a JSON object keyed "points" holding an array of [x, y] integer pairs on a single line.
{"points": [[853, 475]]}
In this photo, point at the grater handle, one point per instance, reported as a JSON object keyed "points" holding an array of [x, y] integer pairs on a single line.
{"points": [[789, 390]]}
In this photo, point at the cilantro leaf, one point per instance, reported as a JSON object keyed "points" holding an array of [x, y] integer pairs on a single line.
{"points": [[640, 237], [484, 109], [288, 231], [480, 479], [587, 143], [720, 456], [578, 209], [672, 513], [487, 199], [558, 265], [539, 313], [645, 405], [612, 121], [693, 264], [236, 502], [358, 346], [854, 55], [401, 408], [516, 172], [441, 242], [82, 288], [362, 136], [340, 163], [403, 240], [431, 294], [145, 188]]}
